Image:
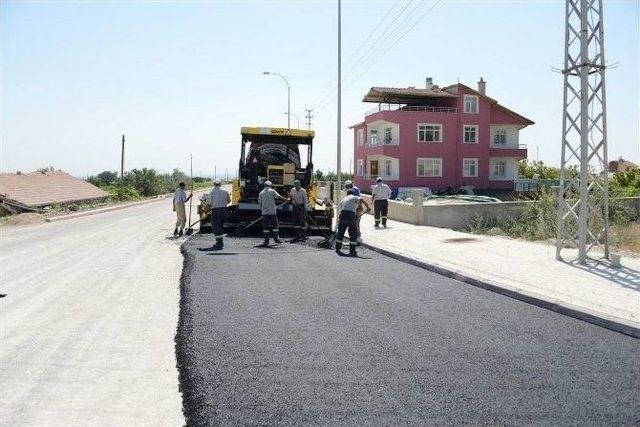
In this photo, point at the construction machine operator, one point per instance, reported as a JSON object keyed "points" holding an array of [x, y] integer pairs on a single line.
{"points": [[300, 200], [219, 200], [267, 201]]}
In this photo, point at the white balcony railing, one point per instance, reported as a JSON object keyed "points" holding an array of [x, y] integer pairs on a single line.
{"points": [[423, 108]]}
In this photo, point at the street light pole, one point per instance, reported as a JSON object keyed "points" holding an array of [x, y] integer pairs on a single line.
{"points": [[269, 73], [296, 116], [339, 160]]}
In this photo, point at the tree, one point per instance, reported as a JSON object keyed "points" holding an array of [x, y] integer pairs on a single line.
{"points": [[146, 181]]}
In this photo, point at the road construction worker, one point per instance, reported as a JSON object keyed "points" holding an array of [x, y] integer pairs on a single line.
{"points": [[380, 194], [179, 199], [356, 192], [267, 200], [347, 212], [219, 200], [300, 200]]}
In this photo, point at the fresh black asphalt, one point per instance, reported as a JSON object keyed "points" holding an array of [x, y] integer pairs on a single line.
{"points": [[299, 335]]}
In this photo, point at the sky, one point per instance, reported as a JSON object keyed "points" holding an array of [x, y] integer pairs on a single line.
{"points": [[181, 77]]}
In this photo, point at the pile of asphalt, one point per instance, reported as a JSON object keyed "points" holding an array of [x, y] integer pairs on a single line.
{"points": [[294, 334]]}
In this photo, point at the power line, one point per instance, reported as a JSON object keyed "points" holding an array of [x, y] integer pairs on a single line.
{"points": [[382, 34], [365, 68], [330, 85]]}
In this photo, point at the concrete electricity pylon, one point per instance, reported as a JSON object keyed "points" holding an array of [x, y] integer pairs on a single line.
{"points": [[583, 206], [308, 116]]}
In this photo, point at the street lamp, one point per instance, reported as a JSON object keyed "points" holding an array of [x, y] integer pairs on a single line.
{"points": [[269, 73], [294, 115]]}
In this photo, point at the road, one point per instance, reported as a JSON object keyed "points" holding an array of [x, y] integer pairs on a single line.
{"points": [[297, 335], [89, 319]]}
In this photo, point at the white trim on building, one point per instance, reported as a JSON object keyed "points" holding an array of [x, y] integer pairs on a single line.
{"points": [[470, 134], [470, 168], [431, 167], [429, 133], [471, 104]]}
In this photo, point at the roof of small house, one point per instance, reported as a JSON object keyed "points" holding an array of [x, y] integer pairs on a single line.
{"points": [[42, 189]]}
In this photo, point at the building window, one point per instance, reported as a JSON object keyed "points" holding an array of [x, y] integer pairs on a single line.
{"points": [[360, 167], [429, 133], [470, 168], [500, 137], [470, 134], [500, 169], [429, 167], [360, 137], [373, 137], [388, 138], [471, 104], [387, 168]]}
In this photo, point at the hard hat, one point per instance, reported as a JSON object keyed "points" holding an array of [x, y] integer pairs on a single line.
{"points": [[267, 183], [217, 182], [348, 182], [296, 183], [379, 179]]}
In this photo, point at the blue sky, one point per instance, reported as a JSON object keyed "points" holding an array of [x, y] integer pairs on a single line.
{"points": [[182, 77]]}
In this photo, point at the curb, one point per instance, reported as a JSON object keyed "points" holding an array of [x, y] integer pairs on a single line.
{"points": [[567, 309], [104, 210]]}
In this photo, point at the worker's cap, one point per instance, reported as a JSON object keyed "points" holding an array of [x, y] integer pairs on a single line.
{"points": [[379, 179], [217, 182], [347, 183], [296, 183], [267, 183]]}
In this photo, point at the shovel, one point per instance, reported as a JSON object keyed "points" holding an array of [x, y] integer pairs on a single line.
{"points": [[189, 231]]}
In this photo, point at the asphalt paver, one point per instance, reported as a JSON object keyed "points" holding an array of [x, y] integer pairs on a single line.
{"points": [[294, 334]]}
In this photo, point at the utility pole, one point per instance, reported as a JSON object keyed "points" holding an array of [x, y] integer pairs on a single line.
{"points": [[122, 162], [583, 200], [339, 106], [537, 153], [227, 174], [309, 117], [215, 172]]}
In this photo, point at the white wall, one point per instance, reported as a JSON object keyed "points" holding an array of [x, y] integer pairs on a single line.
{"points": [[513, 136], [380, 126], [511, 170]]}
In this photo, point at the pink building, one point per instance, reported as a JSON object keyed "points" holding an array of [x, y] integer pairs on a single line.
{"points": [[438, 138]]}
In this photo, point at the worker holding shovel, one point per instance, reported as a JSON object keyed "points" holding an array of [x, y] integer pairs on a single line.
{"points": [[219, 199], [179, 199], [267, 200], [347, 220], [300, 200]]}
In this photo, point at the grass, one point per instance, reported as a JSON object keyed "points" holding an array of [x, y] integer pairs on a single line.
{"points": [[538, 222]]}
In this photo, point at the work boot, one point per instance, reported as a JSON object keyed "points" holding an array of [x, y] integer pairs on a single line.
{"points": [[303, 232], [265, 244], [276, 236], [296, 236], [175, 232], [338, 247], [352, 251], [219, 245], [180, 233], [384, 222], [377, 224]]}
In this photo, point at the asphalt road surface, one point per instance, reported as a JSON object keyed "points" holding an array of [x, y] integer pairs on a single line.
{"points": [[297, 335], [88, 322]]}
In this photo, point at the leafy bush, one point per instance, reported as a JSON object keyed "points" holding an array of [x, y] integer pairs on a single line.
{"points": [[538, 219], [626, 184]]}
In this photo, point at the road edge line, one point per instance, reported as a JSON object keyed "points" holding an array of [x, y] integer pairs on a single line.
{"points": [[561, 307]]}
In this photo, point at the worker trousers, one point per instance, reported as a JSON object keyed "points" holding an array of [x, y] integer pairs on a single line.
{"points": [[181, 220], [347, 221], [217, 222], [270, 226], [380, 210], [299, 221]]}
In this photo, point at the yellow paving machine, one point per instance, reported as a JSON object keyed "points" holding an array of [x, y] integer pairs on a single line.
{"points": [[272, 154]]}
